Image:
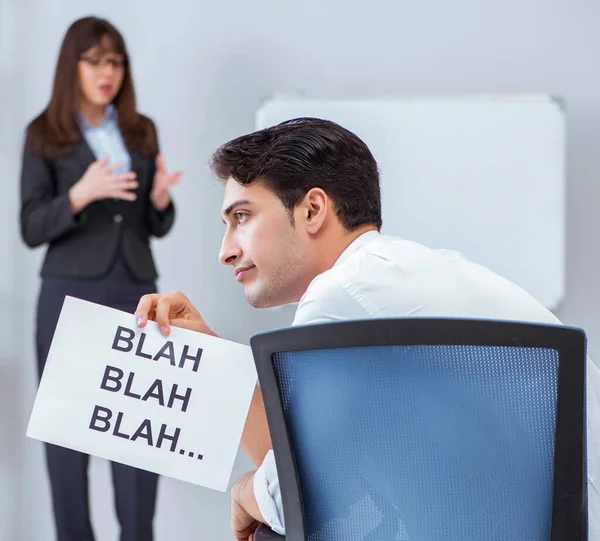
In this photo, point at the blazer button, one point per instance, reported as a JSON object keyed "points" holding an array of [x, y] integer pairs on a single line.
{"points": [[118, 218]]}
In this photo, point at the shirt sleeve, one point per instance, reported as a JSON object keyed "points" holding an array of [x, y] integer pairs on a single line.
{"points": [[593, 449], [268, 495]]}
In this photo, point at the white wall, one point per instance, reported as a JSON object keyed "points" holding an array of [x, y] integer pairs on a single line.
{"points": [[12, 375], [201, 70]]}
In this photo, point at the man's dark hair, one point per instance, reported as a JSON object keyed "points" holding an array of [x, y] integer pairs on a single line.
{"points": [[297, 155]]}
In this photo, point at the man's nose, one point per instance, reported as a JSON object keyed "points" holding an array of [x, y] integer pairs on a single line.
{"points": [[230, 251]]}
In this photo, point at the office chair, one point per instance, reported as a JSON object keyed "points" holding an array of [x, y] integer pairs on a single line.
{"points": [[427, 429]]}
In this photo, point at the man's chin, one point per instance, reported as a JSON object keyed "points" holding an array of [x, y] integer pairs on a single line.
{"points": [[258, 299], [257, 302]]}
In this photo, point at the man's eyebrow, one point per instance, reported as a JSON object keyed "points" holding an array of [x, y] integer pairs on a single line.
{"points": [[237, 203]]}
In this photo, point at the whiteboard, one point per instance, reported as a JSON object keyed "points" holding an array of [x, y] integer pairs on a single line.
{"points": [[484, 175]]}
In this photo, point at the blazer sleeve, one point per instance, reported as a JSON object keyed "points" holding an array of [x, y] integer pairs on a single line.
{"points": [[44, 216], [159, 223]]}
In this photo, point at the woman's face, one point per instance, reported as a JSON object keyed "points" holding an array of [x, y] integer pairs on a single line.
{"points": [[101, 72]]}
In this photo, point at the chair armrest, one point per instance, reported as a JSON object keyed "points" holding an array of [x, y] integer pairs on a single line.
{"points": [[264, 533]]}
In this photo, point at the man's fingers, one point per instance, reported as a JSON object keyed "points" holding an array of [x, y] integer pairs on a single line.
{"points": [[166, 310], [146, 305], [163, 309], [191, 325]]}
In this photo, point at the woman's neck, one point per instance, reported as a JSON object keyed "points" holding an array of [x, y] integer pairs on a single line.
{"points": [[94, 114]]}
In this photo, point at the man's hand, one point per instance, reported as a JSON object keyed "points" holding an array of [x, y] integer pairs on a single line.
{"points": [[245, 514], [175, 309], [170, 309]]}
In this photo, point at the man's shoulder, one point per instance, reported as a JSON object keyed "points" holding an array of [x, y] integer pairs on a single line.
{"points": [[384, 254], [327, 299], [356, 287], [373, 261]]}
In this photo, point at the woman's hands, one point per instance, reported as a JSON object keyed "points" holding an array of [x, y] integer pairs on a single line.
{"points": [[162, 182], [99, 182]]}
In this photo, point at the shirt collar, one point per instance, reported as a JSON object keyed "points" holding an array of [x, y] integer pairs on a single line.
{"points": [[110, 117], [356, 244]]}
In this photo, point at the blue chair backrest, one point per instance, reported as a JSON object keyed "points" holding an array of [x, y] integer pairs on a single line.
{"points": [[425, 441]]}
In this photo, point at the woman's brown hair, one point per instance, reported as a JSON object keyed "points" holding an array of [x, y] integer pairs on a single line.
{"points": [[55, 131]]}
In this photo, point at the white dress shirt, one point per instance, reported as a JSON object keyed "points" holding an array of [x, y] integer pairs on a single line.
{"points": [[106, 139], [379, 276]]}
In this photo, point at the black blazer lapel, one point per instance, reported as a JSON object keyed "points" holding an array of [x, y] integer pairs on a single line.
{"points": [[138, 163], [83, 154]]}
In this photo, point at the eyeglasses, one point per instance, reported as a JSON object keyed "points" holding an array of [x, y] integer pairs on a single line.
{"points": [[116, 63]]}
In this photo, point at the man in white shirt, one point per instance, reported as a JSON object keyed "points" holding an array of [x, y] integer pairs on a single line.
{"points": [[303, 214]]}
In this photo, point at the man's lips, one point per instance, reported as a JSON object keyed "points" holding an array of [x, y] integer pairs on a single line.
{"points": [[241, 271]]}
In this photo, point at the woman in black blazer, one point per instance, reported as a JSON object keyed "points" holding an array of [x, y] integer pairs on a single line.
{"points": [[94, 189]]}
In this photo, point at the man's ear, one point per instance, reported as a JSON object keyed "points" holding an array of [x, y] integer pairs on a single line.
{"points": [[314, 210]]}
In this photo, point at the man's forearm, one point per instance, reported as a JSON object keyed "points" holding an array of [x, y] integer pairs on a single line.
{"points": [[256, 440], [242, 493], [245, 513]]}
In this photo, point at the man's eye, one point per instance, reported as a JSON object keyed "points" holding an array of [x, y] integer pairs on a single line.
{"points": [[241, 217]]}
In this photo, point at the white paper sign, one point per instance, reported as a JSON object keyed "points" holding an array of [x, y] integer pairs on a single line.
{"points": [[172, 405]]}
